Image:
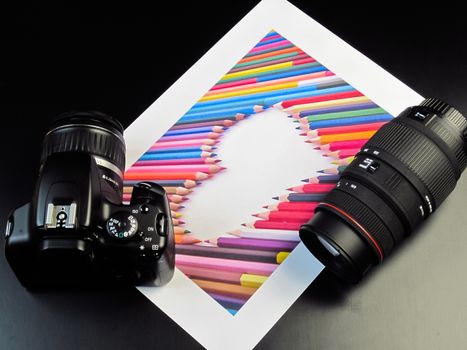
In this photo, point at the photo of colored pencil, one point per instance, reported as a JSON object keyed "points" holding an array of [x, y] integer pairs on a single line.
{"points": [[330, 114]]}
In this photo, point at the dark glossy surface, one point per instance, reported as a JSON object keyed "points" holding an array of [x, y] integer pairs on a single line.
{"points": [[119, 60]]}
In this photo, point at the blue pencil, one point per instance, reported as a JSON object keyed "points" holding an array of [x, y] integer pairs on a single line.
{"points": [[376, 118], [179, 149], [197, 130], [324, 179], [259, 96], [270, 41], [276, 99], [167, 183], [270, 50], [344, 108], [263, 101], [271, 33], [236, 117], [172, 155], [302, 197], [271, 72], [221, 112]]}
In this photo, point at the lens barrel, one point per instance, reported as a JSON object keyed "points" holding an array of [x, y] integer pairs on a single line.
{"points": [[399, 177], [90, 132]]}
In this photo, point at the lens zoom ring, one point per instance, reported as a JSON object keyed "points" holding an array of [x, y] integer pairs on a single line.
{"points": [[84, 139], [420, 155], [362, 214]]}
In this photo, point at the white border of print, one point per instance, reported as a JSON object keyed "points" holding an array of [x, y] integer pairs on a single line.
{"points": [[187, 304]]}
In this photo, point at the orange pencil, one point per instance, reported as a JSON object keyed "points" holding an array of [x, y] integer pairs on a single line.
{"points": [[186, 239], [342, 137]]}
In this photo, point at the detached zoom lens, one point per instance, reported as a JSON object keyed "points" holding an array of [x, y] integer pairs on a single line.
{"points": [[401, 175]]}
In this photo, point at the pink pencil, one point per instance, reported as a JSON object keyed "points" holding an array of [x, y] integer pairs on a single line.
{"points": [[313, 188], [269, 38], [251, 267], [277, 44], [187, 161], [204, 168], [295, 58], [339, 145], [226, 122], [187, 143], [343, 129], [205, 135], [345, 153]]}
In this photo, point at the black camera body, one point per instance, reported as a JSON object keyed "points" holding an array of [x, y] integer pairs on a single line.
{"points": [[76, 228]]}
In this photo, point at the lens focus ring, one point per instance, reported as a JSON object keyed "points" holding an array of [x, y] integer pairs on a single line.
{"points": [[418, 153]]}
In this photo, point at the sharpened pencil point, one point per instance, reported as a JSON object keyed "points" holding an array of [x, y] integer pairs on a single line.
{"points": [[244, 225], [321, 171], [305, 180], [302, 134], [317, 148], [255, 215], [276, 198], [290, 189], [213, 155], [265, 206], [187, 231]]}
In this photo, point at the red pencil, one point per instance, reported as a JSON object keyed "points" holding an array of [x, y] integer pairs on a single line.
{"points": [[313, 188], [339, 145], [185, 143], [293, 206], [286, 216], [345, 153], [320, 98], [343, 129], [275, 225]]}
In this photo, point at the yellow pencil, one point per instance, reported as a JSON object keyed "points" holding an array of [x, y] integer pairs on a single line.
{"points": [[254, 281], [257, 70], [323, 104], [250, 91]]}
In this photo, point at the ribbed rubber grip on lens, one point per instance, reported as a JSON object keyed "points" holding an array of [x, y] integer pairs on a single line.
{"points": [[86, 139], [446, 112], [363, 215], [422, 156]]}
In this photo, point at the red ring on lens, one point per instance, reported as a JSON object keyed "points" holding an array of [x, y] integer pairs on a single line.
{"points": [[368, 234]]}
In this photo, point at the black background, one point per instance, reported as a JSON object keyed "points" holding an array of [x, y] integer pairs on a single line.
{"points": [[119, 59]]}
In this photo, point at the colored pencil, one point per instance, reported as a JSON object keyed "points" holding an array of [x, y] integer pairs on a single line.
{"points": [[254, 281], [343, 161], [270, 54], [220, 122], [269, 40], [256, 244], [183, 161], [282, 256], [332, 109], [196, 142], [175, 183], [349, 121], [340, 115], [266, 46], [207, 135], [225, 288], [228, 302], [344, 129], [176, 155], [195, 130], [251, 267], [148, 176], [186, 239], [301, 197], [178, 149], [294, 57], [175, 206], [181, 231], [273, 225], [340, 145], [246, 254], [268, 98], [280, 235], [307, 100], [333, 171], [176, 198], [270, 49], [220, 112], [322, 179], [254, 83], [342, 154], [313, 105], [204, 168], [293, 206], [255, 71], [362, 135], [182, 191], [320, 92], [177, 222], [286, 216], [235, 117], [313, 188]]}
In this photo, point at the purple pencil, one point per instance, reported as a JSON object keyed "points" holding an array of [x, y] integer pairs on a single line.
{"points": [[259, 244]]}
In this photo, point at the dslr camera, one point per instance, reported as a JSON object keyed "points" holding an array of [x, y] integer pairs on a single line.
{"points": [[76, 228]]}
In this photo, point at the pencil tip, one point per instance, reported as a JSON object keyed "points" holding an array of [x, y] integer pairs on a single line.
{"points": [[244, 225], [320, 171], [290, 189], [317, 148], [187, 231], [305, 180], [265, 207], [213, 154], [276, 198]]}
